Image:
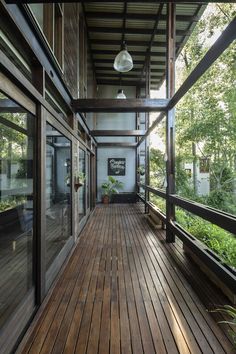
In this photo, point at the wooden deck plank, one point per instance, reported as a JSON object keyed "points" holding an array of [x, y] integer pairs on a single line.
{"points": [[122, 293]]}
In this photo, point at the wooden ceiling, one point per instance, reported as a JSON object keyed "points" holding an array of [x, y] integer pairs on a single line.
{"points": [[143, 27]]}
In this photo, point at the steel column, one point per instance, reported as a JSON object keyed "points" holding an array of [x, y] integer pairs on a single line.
{"points": [[170, 120]]}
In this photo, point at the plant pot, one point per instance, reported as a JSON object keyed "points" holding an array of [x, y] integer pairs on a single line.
{"points": [[77, 186], [105, 199]]}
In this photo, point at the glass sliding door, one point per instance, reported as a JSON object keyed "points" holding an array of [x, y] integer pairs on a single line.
{"points": [[82, 189], [17, 208], [58, 193], [88, 181]]}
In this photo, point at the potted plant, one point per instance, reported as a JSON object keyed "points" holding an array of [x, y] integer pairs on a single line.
{"points": [[79, 180], [141, 170], [110, 187]]}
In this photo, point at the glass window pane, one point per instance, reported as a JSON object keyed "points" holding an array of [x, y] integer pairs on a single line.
{"points": [[17, 136], [58, 192], [82, 189]]}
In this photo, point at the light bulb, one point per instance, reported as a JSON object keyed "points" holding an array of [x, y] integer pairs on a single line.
{"points": [[120, 94], [123, 61]]}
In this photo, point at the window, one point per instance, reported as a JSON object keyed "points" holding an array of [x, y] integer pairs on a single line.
{"points": [[49, 18], [58, 192], [17, 208]]}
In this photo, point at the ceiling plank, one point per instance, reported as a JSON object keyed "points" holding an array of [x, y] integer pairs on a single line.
{"points": [[134, 16], [132, 30], [107, 68], [118, 105], [137, 62], [132, 52]]}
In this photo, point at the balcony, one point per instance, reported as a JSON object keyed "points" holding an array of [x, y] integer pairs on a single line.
{"points": [[124, 290]]}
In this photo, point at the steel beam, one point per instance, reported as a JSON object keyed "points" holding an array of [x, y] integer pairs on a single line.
{"points": [[118, 132], [118, 105]]}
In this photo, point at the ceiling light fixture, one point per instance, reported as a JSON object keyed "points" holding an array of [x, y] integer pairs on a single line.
{"points": [[120, 94], [123, 61]]}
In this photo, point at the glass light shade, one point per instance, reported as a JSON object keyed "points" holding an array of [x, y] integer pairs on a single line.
{"points": [[123, 62], [120, 94]]}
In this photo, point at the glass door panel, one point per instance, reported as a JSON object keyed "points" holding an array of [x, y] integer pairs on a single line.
{"points": [[82, 189], [17, 205], [58, 192]]}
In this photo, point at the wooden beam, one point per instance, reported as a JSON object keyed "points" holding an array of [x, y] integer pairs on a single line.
{"points": [[89, 1], [132, 30], [117, 145], [119, 82], [127, 76], [105, 68], [118, 132], [154, 32], [137, 62], [133, 16], [136, 43], [105, 51], [118, 105]]}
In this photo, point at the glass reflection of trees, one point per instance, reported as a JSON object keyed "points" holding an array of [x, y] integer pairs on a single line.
{"points": [[17, 132], [58, 192], [82, 190]]}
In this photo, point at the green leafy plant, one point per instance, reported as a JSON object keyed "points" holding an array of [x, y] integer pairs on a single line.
{"points": [[111, 186], [141, 170], [230, 311], [80, 177]]}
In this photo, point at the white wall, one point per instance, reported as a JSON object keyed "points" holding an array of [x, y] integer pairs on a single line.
{"points": [[128, 179], [116, 121]]}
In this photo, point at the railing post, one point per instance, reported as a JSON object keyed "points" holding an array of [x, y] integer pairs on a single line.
{"points": [[147, 94], [170, 119]]}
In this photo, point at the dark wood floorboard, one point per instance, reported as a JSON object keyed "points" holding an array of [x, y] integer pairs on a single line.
{"points": [[126, 291]]}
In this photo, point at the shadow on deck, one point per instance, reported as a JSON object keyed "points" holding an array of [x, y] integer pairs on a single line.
{"points": [[126, 291]]}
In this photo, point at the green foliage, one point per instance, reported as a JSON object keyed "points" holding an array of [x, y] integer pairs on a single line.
{"points": [[218, 240], [11, 203], [111, 186], [157, 168], [230, 311]]}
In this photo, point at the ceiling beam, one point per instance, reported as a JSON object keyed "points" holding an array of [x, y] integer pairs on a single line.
{"points": [[141, 43], [132, 30], [118, 132], [146, 65], [120, 82], [89, 1], [118, 105], [137, 62], [132, 52], [118, 145], [106, 68], [133, 16], [127, 76]]}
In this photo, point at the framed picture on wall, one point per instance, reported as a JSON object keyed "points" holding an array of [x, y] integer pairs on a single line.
{"points": [[116, 166]]}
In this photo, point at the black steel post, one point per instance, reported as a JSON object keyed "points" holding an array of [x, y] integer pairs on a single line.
{"points": [[170, 120]]}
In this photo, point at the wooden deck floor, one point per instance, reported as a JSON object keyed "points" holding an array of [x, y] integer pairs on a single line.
{"points": [[123, 292]]}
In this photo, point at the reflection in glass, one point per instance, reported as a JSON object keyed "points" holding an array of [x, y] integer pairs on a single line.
{"points": [[58, 193], [17, 130], [82, 169]]}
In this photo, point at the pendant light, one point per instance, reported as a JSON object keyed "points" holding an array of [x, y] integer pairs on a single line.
{"points": [[123, 61], [120, 94]]}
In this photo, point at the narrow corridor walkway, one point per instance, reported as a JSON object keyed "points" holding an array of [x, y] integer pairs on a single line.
{"points": [[123, 291]]}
